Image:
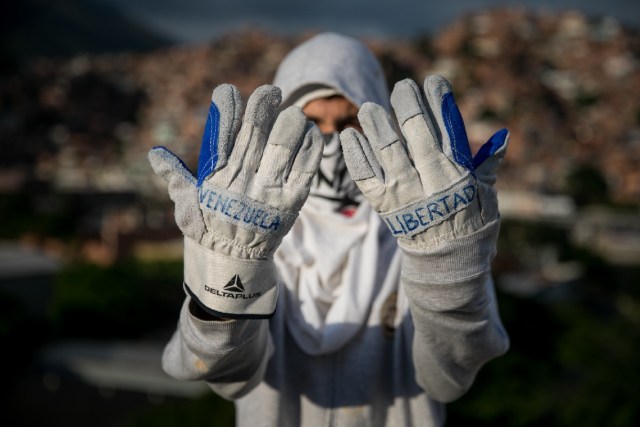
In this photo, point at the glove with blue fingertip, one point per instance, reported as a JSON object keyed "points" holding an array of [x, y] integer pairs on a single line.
{"points": [[430, 189], [254, 174]]}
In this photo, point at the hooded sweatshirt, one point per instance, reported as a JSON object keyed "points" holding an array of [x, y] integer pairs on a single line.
{"points": [[357, 339]]}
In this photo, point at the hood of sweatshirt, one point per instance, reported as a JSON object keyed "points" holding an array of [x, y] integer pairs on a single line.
{"points": [[330, 60]]}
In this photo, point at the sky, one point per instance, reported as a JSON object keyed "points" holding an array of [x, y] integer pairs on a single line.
{"points": [[202, 20]]}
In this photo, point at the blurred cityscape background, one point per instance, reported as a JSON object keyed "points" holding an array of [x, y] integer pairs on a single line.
{"points": [[91, 260]]}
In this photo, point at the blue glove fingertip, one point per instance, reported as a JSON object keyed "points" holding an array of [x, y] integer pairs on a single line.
{"points": [[490, 147]]}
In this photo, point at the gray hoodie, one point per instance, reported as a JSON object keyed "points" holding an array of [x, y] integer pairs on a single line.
{"points": [[424, 335]]}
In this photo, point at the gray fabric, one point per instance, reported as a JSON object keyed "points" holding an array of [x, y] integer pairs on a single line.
{"points": [[378, 127], [390, 374], [227, 99], [336, 61], [361, 165], [408, 102]]}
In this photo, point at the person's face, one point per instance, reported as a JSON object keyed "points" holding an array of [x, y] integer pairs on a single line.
{"points": [[332, 114]]}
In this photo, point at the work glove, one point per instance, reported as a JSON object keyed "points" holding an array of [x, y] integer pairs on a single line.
{"points": [[253, 178], [430, 189]]}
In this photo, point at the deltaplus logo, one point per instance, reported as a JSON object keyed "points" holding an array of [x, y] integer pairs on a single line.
{"points": [[233, 289]]}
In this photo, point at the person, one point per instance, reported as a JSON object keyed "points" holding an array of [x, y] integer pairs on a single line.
{"points": [[336, 272]]}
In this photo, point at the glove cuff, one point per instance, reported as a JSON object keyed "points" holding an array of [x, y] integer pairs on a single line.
{"points": [[229, 287], [452, 261]]}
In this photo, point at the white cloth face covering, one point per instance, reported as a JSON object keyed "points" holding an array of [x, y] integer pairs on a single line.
{"points": [[333, 182]]}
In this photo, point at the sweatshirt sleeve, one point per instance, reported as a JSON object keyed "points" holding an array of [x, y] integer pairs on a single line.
{"points": [[454, 311], [231, 356]]}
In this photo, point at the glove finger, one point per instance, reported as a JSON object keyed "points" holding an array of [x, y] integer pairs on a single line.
{"points": [[423, 139], [168, 166], [490, 155], [263, 106], [225, 112], [283, 142], [387, 147], [305, 164], [244, 159], [358, 163], [309, 153], [182, 190], [362, 166], [408, 103], [455, 144]]}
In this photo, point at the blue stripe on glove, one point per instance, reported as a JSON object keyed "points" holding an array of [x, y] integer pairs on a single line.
{"points": [[457, 132], [209, 149]]}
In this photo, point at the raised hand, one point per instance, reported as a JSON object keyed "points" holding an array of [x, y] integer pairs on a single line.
{"points": [[431, 188], [254, 174]]}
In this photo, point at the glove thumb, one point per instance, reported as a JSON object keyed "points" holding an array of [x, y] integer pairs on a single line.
{"points": [[182, 190], [487, 159]]}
